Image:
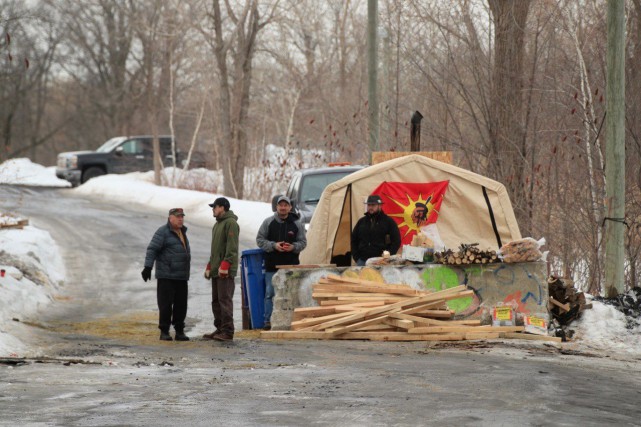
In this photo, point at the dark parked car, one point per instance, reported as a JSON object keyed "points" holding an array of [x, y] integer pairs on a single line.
{"points": [[121, 154], [307, 185]]}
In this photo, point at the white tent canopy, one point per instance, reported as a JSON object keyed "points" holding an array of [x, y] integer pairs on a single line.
{"points": [[475, 209]]}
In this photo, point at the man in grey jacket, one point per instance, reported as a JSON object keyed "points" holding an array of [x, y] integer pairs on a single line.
{"points": [[169, 250], [282, 237]]}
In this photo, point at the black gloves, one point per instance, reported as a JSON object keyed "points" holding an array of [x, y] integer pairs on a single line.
{"points": [[146, 273]]}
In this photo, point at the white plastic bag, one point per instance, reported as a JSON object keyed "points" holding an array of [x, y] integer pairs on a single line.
{"points": [[431, 231], [524, 250]]}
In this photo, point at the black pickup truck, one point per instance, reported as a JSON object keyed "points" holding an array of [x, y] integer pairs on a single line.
{"points": [[121, 154]]}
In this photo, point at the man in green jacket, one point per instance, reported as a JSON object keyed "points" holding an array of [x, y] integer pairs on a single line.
{"points": [[221, 269]]}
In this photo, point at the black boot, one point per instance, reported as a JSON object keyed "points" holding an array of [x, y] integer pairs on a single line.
{"points": [[180, 335], [164, 335]]}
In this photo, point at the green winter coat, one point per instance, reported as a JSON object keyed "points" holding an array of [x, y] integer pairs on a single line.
{"points": [[224, 243]]}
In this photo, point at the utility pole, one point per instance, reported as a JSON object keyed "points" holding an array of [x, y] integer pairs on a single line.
{"points": [[372, 75], [615, 150]]}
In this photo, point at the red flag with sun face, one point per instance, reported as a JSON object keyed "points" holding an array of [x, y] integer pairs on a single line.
{"points": [[412, 205]]}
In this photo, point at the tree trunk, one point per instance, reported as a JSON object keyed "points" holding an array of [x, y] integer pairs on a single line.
{"points": [[234, 99], [508, 145]]}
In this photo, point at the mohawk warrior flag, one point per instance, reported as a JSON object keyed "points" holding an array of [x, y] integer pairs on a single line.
{"points": [[412, 205]]}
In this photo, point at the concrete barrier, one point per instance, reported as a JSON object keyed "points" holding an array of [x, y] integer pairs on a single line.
{"points": [[523, 285]]}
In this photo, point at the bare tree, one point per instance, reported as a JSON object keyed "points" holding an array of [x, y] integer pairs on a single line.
{"points": [[234, 40], [29, 46]]}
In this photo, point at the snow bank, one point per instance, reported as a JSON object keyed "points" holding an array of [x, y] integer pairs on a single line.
{"points": [[134, 188], [33, 271], [604, 328], [24, 172]]}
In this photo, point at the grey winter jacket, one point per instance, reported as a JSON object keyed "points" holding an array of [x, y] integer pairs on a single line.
{"points": [[167, 251], [274, 230]]}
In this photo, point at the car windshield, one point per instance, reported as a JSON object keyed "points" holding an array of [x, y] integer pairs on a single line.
{"points": [[111, 144], [313, 185]]}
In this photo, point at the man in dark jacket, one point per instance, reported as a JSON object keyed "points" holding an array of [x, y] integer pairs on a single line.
{"points": [[282, 237], [374, 233], [221, 269], [169, 250]]}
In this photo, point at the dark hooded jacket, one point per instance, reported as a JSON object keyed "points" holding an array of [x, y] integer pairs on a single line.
{"points": [[274, 230], [374, 234], [166, 250]]}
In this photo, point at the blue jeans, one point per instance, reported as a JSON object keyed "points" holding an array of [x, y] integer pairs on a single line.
{"points": [[269, 295], [360, 262]]}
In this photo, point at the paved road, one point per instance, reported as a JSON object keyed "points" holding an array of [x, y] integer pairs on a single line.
{"points": [[101, 362]]}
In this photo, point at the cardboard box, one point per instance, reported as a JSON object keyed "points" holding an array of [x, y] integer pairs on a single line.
{"points": [[413, 253]]}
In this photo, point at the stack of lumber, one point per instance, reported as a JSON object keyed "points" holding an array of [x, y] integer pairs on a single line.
{"points": [[364, 310], [566, 304], [467, 254]]}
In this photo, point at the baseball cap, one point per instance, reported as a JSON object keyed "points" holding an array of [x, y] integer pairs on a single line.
{"points": [[221, 201], [284, 199], [177, 212]]}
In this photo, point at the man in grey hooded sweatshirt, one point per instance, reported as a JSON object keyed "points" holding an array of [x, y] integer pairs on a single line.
{"points": [[282, 237]]}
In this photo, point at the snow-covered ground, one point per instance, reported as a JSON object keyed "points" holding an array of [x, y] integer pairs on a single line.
{"points": [[25, 291]]}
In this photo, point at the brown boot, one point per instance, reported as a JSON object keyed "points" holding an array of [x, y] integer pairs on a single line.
{"points": [[223, 337], [212, 335]]}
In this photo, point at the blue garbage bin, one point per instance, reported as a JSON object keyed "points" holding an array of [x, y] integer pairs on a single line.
{"points": [[253, 284]]}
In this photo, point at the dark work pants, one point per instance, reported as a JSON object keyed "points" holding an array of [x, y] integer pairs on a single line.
{"points": [[172, 303], [222, 304]]}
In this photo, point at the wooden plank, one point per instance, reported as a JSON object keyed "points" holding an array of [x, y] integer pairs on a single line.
{"points": [[463, 329], [514, 335], [367, 289], [564, 307], [294, 335], [357, 325], [416, 319], [299, 324], [304, 312], [366, 298], [368, 335], [399, 323], [439, 314], [352, 294], [377, 328], [426, 337], [331, 303], [421, 307], [358, 305], [332, 278]]}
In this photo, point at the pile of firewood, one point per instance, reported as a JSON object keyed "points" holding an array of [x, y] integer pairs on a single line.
{"points": [[467, 254], [364, 310], [566, 304]]}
